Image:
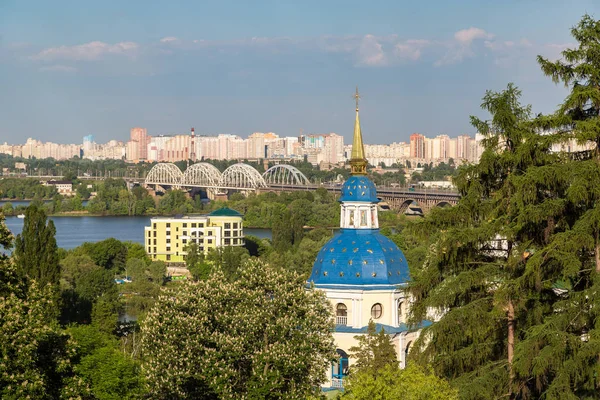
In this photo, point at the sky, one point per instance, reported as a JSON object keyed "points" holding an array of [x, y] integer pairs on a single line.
{"points": [[70, 68]]}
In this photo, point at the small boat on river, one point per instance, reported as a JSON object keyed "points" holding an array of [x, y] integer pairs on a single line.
{"points": [[21, 216]]}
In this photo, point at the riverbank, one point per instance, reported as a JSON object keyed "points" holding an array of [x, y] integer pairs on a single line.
{"points": [[74, 230]]}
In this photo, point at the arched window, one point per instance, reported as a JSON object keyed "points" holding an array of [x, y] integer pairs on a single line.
{"points": [[399, 312], [339, 369], [376, 311], [341, 314], [406, 351]]}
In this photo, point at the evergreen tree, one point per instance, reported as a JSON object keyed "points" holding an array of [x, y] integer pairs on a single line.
{"points": [[36, 252], [476, 274], [559, 357], [374, 351]]}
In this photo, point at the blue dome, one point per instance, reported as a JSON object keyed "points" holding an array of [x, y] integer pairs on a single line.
{"points": [[359, 188], [360, 257]]}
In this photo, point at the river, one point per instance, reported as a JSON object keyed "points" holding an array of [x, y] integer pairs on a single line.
{"points": [[73, 231]]}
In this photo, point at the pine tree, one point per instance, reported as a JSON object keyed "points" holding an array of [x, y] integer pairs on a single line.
{"points": [[559, 358], [36, 252], [476, 275]]}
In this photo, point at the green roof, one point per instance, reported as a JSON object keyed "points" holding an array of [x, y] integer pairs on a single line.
{"points": [[224, 212]]}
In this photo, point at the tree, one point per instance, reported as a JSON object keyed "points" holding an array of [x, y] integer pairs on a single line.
{"points": [[374, 351], [36, 252], [196, 262], [37, 356], [109, 253], [559, 357], [109, 373], [85, 284], [412, 383], [262, 336], [477, 273]]}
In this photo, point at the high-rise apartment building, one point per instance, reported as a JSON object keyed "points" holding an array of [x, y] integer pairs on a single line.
{"points": [[139, 151], [417, 146]]}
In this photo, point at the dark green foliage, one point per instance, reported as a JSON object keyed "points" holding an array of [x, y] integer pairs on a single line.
{"points": [[37, 356], [109, 253], [475, 269], [83, 285], [196, 262], [440, 172], [20, 189], [35, 254], [558, 358], [136, 250], [109, 373]]}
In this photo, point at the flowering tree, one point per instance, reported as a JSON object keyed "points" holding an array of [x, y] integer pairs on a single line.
{"points": [[263, 336]]}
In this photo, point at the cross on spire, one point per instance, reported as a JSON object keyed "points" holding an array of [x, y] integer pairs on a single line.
{"points": [[356, 97]]}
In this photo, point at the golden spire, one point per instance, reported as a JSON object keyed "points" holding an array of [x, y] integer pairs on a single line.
{"points": [[358, 162]]}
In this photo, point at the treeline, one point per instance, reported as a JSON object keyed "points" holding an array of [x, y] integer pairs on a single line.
{"points": [[20, 189], [440, 172]]}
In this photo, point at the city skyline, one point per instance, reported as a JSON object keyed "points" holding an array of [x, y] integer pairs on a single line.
{"points": [[228, 67], [319, 149]]}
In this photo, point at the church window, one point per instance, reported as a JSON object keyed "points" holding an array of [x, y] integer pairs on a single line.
{"points": [[341, 314], [399, 312], [363, 218], [339, 369], [376, 311]]}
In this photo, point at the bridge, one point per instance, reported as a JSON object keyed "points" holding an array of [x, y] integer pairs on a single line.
{"points": [[280, 178]]}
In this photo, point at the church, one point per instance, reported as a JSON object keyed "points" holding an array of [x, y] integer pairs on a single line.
{"points": [[361, 271]]}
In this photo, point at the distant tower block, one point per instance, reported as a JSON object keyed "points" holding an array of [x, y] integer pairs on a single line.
{"points": [[193, 148]]}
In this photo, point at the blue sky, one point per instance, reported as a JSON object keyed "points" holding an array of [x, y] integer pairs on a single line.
{"points": [[72, 68]]}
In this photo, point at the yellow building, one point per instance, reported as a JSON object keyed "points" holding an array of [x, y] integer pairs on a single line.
{"points": [[167, 237]]}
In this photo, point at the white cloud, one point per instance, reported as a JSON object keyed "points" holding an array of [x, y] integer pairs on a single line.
{"points": [[466, 36], [87, 51], [168, 39], [367, 50], [58, 68], [410, 49], [370, 52], [462, 45]]}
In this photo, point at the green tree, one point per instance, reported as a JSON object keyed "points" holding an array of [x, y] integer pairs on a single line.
{"points": [[83, 285], [374, 351], [558, 358], [412, 383], [476, 273], [110, 373], [263, 336], [196, 262], [36, 252], [37, 356], [109, 253]]}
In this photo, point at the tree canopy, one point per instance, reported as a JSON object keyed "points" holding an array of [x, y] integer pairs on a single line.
{"points": [[262, 336]]}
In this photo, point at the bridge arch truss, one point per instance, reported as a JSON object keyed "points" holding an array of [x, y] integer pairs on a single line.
{"points": [[164, 174], [284, 174], [201, 174], [242, 176]]}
